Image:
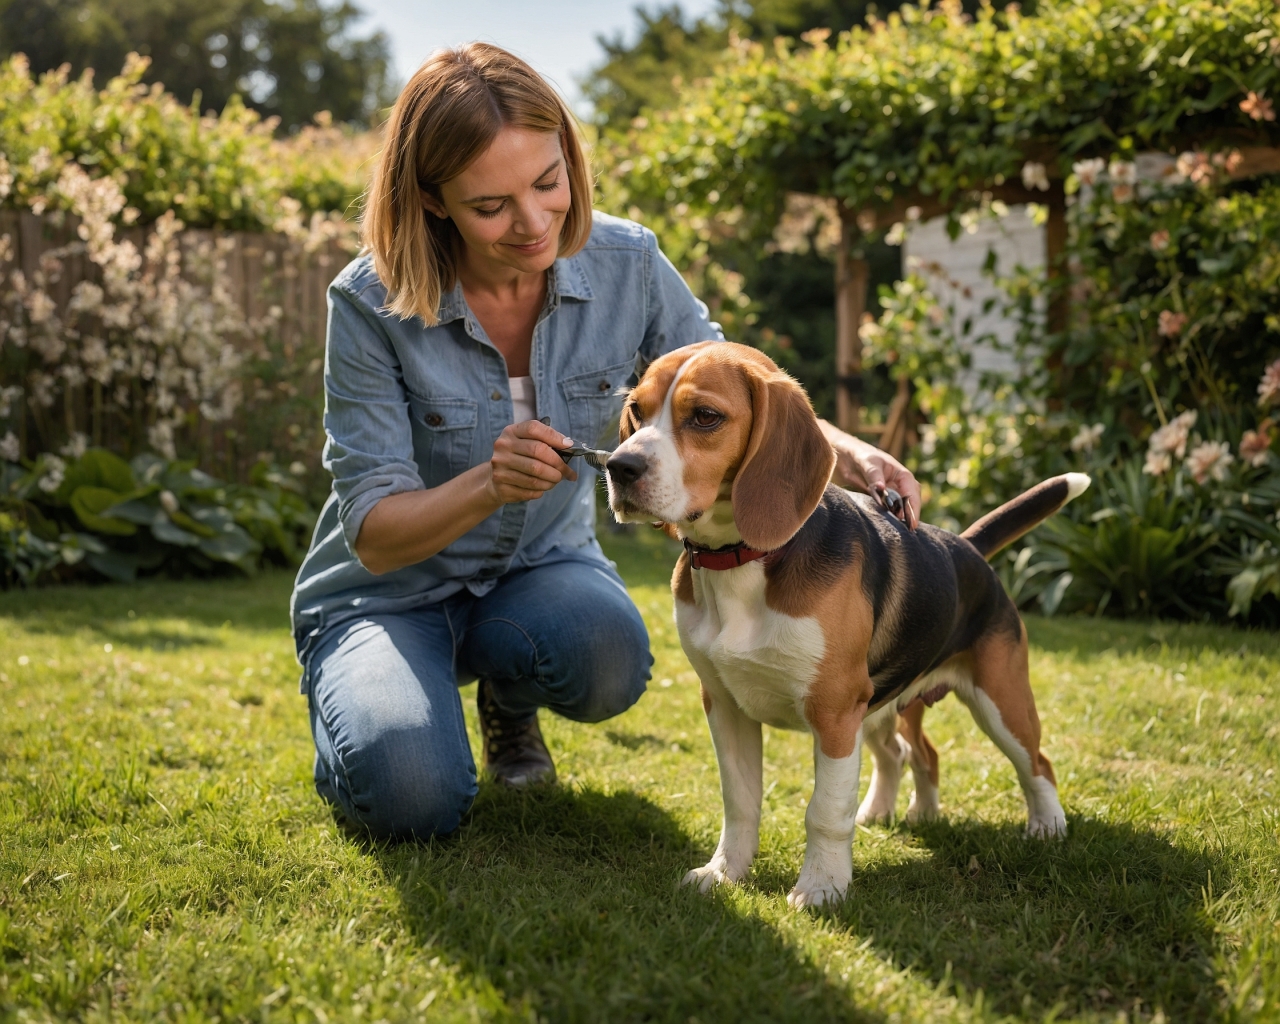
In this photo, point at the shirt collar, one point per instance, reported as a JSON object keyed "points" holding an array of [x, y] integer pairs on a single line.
{"points": [[569, 281]]}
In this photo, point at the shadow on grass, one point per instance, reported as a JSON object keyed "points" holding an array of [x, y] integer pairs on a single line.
{"points": [[1110, 917], [566, 902]]}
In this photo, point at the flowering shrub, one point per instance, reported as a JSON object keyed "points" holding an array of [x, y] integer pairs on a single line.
{"points": [[136, 336]]}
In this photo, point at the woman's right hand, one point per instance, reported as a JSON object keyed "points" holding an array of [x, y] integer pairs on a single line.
{"points": [[525, 465]]}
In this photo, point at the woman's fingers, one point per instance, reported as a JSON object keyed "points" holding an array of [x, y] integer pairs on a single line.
{"points": [[881, 470], [525, 464]]}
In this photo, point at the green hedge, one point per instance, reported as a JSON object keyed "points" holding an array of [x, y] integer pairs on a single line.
{"points": [[225, 171]]}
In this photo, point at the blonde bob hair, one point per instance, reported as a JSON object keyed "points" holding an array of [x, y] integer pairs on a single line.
{"points": [[446, 117]]}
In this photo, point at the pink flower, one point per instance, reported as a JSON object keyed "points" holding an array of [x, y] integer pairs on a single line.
{"points": [[1171, 323], [1255, 446], [1210, 459], [1196, 166], [1160, 240], [1172, 437], [1122, 193], [1258, 107], [1269, 385]]}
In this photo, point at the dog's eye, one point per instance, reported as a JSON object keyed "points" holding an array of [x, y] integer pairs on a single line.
{"points": [[706, 418]]}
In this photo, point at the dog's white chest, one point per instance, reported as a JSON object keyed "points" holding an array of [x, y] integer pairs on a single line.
{"points": [[765, 659]]}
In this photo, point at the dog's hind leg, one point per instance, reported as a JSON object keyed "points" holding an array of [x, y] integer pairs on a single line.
{"points": [[888, 753], [924, 804], [1001, 702]]}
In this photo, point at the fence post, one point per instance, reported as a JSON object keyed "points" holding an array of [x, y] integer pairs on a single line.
{"points": [[852, 275]]}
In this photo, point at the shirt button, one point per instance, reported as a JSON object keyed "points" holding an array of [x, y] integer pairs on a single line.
{"points": [[604, 386], [435, 419], [496, 396]]}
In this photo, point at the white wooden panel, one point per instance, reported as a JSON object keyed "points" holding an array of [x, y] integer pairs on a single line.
{"points": [[955, 274]]}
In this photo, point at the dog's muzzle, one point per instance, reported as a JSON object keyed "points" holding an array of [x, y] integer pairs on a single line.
{"points": [[625, 468]]}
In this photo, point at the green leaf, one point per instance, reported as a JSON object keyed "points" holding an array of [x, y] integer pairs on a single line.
{"points": [[1051, 596], [97, 468], [90, 503], [163, 529], [114, 565], [136, 510], [233, 545]]}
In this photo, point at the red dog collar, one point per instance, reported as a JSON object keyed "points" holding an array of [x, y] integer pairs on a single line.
{"points": [[722, 558]]}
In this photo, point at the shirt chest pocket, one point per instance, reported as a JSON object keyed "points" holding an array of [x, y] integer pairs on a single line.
{"points": [[444, 431], [593, 402]]}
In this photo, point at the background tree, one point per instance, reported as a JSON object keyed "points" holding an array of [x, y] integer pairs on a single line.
{"points": [[289, 60]]}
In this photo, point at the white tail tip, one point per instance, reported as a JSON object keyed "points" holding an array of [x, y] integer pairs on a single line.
{"points": [[1077, 484]]}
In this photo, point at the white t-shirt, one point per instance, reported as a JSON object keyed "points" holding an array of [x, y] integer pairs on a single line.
{"points": [[522, 399]]}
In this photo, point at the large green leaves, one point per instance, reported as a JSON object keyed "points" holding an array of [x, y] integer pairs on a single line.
{"points": [[121, 519], [90, 504]]}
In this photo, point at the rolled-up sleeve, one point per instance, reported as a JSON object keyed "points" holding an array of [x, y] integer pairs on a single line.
{"points": [[369, 447], [675, 316]]}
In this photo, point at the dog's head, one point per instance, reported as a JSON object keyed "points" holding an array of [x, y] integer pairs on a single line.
{"points": [[719, 424]]}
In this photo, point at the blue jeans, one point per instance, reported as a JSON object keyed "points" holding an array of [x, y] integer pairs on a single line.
{"points": [[391, 742]]}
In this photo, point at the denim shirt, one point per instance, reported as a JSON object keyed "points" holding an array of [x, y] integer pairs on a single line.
{"points": [[409, 407]]}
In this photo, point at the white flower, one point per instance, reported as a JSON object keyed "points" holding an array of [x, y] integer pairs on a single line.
{"points": [[10, 449], [54, 471], [7, 397], [1087, 438], [76, 445], [1035, 177], [169, 502], [1172, 437], [1157, 463], [1089, 171], [1210, 459], [1123, 172]]}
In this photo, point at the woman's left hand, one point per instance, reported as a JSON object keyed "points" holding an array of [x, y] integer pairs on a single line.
{"points": [[865, 466]]}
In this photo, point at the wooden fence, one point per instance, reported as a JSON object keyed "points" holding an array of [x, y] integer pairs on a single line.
{"points": [[280, 415]]}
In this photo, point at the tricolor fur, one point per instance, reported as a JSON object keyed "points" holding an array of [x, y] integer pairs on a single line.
{"points": [[837, 632]]}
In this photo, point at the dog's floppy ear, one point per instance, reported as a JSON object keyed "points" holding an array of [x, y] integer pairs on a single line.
{"points": [[629, 422], [787, 464]]}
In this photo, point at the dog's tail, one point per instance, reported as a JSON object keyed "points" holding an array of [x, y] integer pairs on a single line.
{"points": [[1024, 513]]}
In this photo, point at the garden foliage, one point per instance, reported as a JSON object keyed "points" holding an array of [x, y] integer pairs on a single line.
{"points": [[1161, 388], [151, 348], [119, 519]]}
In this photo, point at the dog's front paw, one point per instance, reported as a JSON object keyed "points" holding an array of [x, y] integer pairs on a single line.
{"points": [[815, 891], [1050, 826], [716, 871]]}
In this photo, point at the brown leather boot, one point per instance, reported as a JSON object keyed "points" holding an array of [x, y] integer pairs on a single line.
{"points": [[514, 753]]}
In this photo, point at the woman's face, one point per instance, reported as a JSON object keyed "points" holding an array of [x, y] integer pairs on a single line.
{"points": [[510, 204]]}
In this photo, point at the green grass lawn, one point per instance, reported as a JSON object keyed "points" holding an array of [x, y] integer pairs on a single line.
{"points": [[163, 855]]}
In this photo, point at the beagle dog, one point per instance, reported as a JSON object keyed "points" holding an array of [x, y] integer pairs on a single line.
{"points": [[808, 607]]}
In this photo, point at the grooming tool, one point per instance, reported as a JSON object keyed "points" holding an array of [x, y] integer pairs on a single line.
{"points": [[894, 503], [593, 456]]}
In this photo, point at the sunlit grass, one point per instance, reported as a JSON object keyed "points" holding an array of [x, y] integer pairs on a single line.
{"points": [[163, 855]]}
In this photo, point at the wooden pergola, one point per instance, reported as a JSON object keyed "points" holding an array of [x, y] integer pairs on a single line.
{"points": [[852, 275]]}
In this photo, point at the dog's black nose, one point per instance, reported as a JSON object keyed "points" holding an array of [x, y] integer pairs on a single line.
{"points": [[626, 468]]}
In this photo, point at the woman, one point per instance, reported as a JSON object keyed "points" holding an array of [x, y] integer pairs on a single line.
{"points": [[457, 543]]}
